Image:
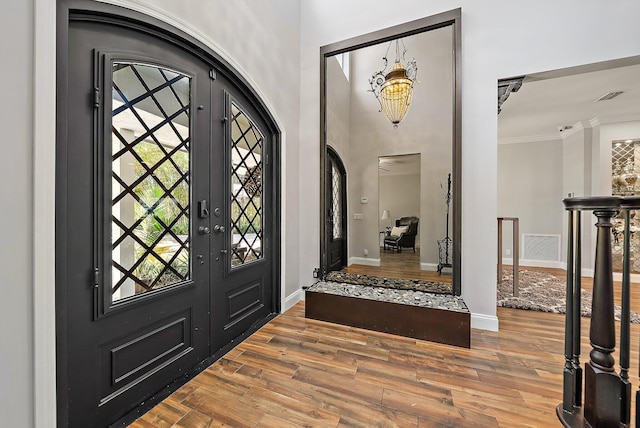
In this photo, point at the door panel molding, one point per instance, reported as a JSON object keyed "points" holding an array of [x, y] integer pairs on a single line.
{"points": [[243, 301], [121, 358]]}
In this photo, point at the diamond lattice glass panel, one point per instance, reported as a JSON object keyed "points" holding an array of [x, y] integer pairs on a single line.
{"points": [[336, 202], [150, 169], [623, 168], [246, 189], [625, 179]]}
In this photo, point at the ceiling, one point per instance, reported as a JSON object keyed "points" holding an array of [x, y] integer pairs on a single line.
{"points": [[399, 165], [550, 101]]}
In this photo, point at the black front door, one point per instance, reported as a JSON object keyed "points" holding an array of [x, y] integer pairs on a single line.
{"points": [[164, 219], [336, 195], [243, 230]]}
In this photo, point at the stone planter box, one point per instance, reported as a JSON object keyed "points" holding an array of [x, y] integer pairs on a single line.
{"points": [[419, 322]]}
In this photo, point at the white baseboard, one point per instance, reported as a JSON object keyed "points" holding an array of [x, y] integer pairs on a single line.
{"points": [[537, 263], [617, 276], [292, 299], [364, 261], [484, 322], [589, 273], [428, 266], [586, 272]]}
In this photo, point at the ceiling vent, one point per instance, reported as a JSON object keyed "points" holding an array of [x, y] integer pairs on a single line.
{"points": [[608, 96]]}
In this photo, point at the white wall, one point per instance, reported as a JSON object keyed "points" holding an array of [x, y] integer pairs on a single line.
{"points": [[338, 111], [499, 40], [400, 195], [530, 178], [16, 215]]}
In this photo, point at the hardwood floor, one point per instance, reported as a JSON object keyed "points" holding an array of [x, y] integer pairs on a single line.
{"points": [[405, 264], [296, 372]]}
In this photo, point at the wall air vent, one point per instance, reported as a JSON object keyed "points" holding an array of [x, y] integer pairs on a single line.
{"points": [[608, 96], [541, 247]]}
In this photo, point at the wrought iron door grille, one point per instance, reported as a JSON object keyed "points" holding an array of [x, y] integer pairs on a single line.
{"points": [[246, 189], [336, 202], [150, 168]]}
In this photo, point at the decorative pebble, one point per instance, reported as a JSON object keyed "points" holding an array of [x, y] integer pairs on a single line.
{"points": [[395, 283], [409, 297]]}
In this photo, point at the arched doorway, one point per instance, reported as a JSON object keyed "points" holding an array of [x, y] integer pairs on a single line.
{"points": [[336, 215]]}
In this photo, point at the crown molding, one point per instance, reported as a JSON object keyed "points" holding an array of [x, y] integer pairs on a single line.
{"points": [[530, 139], [575, 128], [633, 117]]}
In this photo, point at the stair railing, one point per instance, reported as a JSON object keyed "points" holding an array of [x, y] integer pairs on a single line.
{"points": [[606, 401]]}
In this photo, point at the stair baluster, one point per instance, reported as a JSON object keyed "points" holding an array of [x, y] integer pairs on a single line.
{"points": [[577, 311], [569, 375], [606, 394]]}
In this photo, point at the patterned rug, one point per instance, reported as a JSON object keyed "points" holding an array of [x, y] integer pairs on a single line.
{"points": [[544, 292]]}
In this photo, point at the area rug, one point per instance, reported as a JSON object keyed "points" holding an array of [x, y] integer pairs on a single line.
{"points": [[543, 292], [395, 283]]}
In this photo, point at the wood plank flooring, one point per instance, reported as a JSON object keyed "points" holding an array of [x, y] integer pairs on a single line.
{"points": [[405, 264], [296, 372]]}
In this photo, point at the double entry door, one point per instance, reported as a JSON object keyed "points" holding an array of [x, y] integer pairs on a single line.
{"points": [[164, 198]]}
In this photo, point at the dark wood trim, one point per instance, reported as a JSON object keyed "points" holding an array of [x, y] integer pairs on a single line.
{"points": [[456, 22], [406, 29], [323, 265], [451, 18], [435, 325]]}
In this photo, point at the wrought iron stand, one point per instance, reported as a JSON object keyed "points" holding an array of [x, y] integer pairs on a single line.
{"points": [[445, 245]]}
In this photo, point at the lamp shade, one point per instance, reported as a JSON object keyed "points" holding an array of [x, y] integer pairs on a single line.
{"points": [[385, 215]]}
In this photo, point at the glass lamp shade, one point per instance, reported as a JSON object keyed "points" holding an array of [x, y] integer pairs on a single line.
{"points": [[396, 93], [385, 215]]}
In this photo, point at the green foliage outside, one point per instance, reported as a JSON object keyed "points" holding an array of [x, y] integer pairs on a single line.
{"points": [[242, 223], [166, 212]]}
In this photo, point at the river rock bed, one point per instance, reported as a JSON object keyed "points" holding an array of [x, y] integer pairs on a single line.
{"points": [[407, 297], [396, 283]]}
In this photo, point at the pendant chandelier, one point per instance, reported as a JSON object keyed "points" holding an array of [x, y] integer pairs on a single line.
{"points": [[394, 88]]}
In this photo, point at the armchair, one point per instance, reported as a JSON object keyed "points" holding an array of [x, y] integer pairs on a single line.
{"points": [[406, 239]]}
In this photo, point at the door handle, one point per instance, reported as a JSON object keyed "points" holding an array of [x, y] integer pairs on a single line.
{"points": [[218, 229], [203, 209], [204, 230]]}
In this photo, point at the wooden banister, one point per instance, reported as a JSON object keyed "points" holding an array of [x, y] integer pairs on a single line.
{"points": [[607, 394]]}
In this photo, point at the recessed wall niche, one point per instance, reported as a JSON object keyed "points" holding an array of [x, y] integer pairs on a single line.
{"points": [[625, 168]]}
